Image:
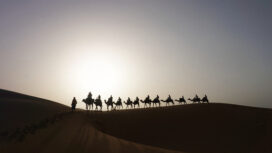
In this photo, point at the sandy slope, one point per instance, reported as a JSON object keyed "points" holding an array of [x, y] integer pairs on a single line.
{"points": [[30, 124], [198, 128], [18, 110], [74, 134]]}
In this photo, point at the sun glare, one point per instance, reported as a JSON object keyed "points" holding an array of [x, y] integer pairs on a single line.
{"points": [[101, 73]]}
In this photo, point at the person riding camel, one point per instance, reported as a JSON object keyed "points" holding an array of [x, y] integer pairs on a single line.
{"points": [[169, 98], [74, 103], [205, 99], [147, 98], [196, 97], [110, 99], [90, 96], [119, 100], [157, 97]]}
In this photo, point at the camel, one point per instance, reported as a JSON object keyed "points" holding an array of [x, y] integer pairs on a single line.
{"points": [[168, 100], [85, 101], [128, 103], [136, 102], [205, 99], [109, 103], [146, 101], [156, 101], [89, 103], [196, 99], [181, 100], [98, 103], [118, 103]]}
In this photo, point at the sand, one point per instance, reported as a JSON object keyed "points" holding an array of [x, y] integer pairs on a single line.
{"points": [[49, 127]]}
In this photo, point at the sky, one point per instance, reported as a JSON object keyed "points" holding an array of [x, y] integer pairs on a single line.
{"points": [[65, 48]]}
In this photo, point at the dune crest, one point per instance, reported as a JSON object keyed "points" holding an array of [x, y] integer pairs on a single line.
{"points": [[37, 125]]}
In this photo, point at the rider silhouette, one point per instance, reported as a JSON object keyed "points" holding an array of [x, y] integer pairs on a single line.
{"points": [[169, 98], [90, 95], [147, 98], [196, 96], [119, 100], [110, 99]]}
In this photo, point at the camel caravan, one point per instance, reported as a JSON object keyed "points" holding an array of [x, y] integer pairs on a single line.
{"points": [[147, 102]]}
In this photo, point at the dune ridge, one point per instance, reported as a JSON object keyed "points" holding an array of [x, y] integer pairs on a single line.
{"points": [[191, 128]]}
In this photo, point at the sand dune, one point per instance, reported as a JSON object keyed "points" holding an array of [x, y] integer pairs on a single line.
{"points": [[207, 128], [73, 134], [193, 128], [18, 110]]}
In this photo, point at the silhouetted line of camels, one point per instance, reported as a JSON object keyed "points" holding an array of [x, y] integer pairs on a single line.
{"points": [[90, 102]]}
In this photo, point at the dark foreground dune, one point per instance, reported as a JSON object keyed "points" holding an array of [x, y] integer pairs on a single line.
{"points": [[196, 128], [18, 110], [193, 128]]}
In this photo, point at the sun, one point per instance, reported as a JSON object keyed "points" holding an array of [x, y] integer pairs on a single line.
{"points": [[98, 72]]}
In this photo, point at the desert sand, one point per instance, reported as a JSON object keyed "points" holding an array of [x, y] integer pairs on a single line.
{"points": [[31, 125]]}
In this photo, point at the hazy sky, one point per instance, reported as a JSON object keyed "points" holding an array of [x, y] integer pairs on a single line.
{"points": [[64, 48]]}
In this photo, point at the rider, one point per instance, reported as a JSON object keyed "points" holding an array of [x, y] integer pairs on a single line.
{"points": [[90, 95], [119, 100], [196, 97], [74, 102], [157, 97], [205, 98], [147, 98], [128, 101], [169, 98], [110, 99]]}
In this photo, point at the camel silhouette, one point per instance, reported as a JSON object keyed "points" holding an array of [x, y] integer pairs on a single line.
{"points": [[89, 101], [196, 99], [156, 101], [181, 100], [98, 103], [109, 103], [147, 101], [118, 104], [205, 99], [136, 102], [128, 103], [168, 100]]}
